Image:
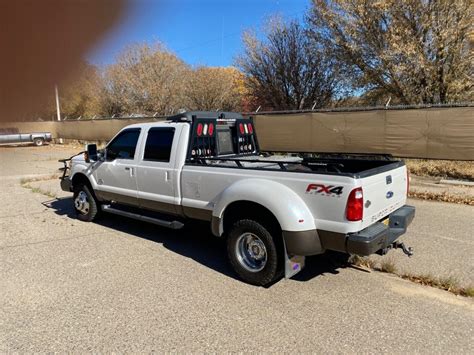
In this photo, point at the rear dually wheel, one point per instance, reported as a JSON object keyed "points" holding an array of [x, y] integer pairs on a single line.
{"points": [[253, 253]]}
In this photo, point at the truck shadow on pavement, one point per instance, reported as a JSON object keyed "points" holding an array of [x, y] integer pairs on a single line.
{"points": [[194, 241]]}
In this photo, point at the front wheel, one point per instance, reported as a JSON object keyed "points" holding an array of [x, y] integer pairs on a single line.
{"points": [[253, 252], [85, 204]]}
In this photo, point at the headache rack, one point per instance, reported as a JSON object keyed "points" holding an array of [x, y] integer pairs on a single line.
{"points": [[215, 134], [192, 116]]}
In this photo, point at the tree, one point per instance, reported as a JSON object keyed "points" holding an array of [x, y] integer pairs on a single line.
{"points": [[146, 79], [83, 95], [287, 70], [415, 51], [213, 88]]}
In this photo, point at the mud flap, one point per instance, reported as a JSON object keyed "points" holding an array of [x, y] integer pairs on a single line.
{"points": [[293, 265]]}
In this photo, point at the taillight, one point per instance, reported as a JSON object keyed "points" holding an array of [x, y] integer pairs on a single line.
{"points": [[199, 129], [408, 181], [250, 128], [241, 128], [355, 205], [211, 129]]}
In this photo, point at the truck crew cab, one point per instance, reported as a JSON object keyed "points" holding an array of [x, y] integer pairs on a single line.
{"points": [[273, 210]]}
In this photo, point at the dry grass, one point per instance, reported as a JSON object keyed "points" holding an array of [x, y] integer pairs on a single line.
{"points": [[469, 291], [38, 190], [443, 196], [463, 170], [388, 266], [449, 284], [362, 261], [26, 184], [41, 178]]}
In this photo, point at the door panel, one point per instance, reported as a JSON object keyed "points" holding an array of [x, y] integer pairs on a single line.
{"points": [[117, 181], [156, 175], [116, 176]]}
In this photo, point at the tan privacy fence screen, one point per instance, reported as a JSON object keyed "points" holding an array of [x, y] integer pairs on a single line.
{"points": [[436, 133], [87, 130], [441, 133]]}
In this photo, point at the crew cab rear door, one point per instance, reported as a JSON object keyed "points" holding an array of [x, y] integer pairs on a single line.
{"points": [[158, 173]]}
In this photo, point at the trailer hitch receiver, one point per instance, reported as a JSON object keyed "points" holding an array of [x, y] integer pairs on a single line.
{"points": [[397, 245]]}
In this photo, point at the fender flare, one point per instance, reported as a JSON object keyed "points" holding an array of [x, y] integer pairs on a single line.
{"points": [[84, 170], [38, 135], [288, 208]]}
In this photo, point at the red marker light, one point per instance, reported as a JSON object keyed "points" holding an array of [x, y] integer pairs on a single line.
{"points": [[211, 129], [242, 129], [250, 128], [199, 129]]}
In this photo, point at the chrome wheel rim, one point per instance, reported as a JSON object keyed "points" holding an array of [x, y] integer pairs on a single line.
{"points": [[251, 252], [81, 203]]}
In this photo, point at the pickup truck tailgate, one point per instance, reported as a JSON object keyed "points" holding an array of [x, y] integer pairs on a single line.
{"points": [[383, 194]]}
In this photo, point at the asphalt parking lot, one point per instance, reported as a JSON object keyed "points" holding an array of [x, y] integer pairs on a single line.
{"points": [[122, 285]]}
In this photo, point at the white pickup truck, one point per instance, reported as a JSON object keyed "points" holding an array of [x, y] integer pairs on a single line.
{"points": [[273, 210]]}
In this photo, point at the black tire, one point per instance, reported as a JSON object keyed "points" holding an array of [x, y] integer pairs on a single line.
{"points": [[85, 214], [38, 142], [271, 269]]}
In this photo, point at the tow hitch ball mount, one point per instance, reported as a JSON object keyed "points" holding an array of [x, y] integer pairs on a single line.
{"points": [[397, 245]]}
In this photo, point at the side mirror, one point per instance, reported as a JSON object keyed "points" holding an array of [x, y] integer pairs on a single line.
{"points": [[91, 153]]}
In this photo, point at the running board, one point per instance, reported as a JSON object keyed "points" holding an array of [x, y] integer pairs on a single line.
{"points": [[139, 217]]}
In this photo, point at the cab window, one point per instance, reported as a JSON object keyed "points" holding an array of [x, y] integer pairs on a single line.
{"points": [[124, 145], [158, 144]]}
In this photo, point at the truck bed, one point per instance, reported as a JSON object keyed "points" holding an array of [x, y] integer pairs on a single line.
{"points": [[351, 167]]}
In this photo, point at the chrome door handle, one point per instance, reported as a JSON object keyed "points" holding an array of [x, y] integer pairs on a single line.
{"points": [[129, 169]]}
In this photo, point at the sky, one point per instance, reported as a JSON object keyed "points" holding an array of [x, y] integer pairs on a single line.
{"points": [[201, 32]]}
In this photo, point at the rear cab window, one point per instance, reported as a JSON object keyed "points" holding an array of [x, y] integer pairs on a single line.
{"points": [[159, 143]]}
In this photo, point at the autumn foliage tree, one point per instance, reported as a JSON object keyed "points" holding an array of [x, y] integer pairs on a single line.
{"points": [[414, 51], [83, 96], [146, 78], [213, 88]]}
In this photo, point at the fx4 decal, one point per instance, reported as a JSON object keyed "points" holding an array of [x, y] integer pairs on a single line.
{"points": [[324, 189]]}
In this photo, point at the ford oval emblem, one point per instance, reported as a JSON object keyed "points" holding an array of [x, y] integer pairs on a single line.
{"points": [[389, 194]]}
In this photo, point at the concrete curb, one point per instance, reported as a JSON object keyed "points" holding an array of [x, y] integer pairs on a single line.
{"points": [[456, 182]]}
